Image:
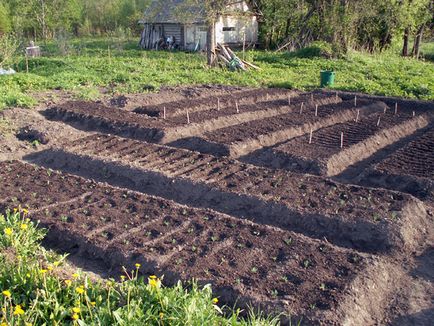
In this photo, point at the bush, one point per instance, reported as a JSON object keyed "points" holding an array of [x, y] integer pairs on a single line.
{"points": [[320, 49], [5, 23], [8, 49]]}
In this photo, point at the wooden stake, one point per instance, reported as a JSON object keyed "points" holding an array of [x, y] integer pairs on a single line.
{"points": [[289, 99], [385, 109], [311, 135], [267, 97], [316, 110], [337, 95], [27, 64], [301, 107], [378, 122], [342, 139], [355, 100], [236, 105], [188, 117], [414, 113], [358, 115], [396, 108], [164, 113], [218, 104]]}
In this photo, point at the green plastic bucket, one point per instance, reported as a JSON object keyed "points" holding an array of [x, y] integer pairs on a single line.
{"points": [[327, 78]]}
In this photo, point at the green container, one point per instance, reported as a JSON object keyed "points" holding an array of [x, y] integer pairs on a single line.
{"points": [[327, 78]]}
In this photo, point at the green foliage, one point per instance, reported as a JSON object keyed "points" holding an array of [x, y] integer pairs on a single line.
{"points": [[8, 49], [5, 23], [126, 69], [36, 288]]}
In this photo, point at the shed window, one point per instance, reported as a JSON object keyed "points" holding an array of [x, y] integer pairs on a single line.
{"points": [[228, 29]]}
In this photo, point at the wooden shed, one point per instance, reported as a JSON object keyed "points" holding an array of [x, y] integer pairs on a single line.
{"points": [[177, 24]]}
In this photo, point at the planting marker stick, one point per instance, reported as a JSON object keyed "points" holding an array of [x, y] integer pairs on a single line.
{"points": [[301, 108], [188, 118], [342, 139], [310, 136], [236, 105], [164, 113], [358, 114], [267, 97], [355, 100], [378, 122], [396, 108], [336, 95], [414, 113], [289, 99], [218, 104], [316, 110], [385, 110]]}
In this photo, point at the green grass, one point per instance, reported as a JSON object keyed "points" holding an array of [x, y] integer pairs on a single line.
{"points": [[90, 66], [36, 289]]}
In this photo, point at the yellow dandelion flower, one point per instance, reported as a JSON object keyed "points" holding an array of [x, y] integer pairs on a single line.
{"points": [[76, 310], [75, 316], [7, 293], [25, 211], [215, 301], [75, 275], [68, 282], [28, 324], [154, 282], [79, 290], [24, 226], [50, 267], [18, 311], [138, 266], [43, 271], [9, 231], [4, 324], [56, 263], [93, 303], [153, 277], [161, 315], [15, 210], [122, 277]]}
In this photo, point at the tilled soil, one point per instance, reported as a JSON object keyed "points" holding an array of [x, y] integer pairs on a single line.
{"points": [[330, 253], [366, 219], [331, 150], [224, 101], [270, 268]]}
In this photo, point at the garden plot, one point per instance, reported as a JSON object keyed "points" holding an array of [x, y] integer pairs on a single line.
{"points": [[247, 263], [224, 102], [95, 116], [331, 150], [250, 136], [356, 217], [409, 169]]}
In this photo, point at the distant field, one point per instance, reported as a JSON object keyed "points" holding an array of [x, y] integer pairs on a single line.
{"points": [[85, 66]]}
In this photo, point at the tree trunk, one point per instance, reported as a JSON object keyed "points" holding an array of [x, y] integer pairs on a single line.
{"points": [[210, 43], [405, 45], [418, 41]]}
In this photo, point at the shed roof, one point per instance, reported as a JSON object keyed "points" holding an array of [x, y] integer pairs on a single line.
{"points": [[182, 11]]}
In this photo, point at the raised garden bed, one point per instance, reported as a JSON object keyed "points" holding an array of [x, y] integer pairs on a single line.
{"points": [[333, 149], [356, 217]]}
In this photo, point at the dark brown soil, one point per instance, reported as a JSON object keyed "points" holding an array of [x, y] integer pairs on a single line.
{"points": [[251, 263], [366, 219], [325, 156], [253, 135], [227, 101], [331, 253]]}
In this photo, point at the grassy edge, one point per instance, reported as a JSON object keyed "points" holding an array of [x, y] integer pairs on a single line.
{"points": [[36, 290]]}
